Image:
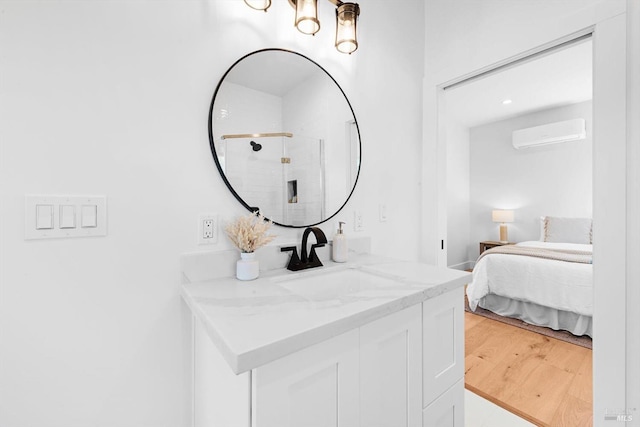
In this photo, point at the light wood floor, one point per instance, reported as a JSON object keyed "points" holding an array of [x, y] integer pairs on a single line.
{"points": [[543, 380]]}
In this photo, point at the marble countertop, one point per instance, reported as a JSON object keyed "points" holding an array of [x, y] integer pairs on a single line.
{"points": [[256, 322]]}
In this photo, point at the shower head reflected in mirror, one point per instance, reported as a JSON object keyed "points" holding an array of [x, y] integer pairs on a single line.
{"points": [[256, 146]]}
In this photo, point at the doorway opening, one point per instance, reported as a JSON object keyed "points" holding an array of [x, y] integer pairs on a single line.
{"points": [[485, 173]]}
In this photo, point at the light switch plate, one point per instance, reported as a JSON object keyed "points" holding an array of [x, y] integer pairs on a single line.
{"points": [[382, 212], [66, 216], [358, 221]]}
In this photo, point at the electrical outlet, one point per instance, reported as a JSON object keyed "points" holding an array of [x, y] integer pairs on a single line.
{"points": [[358, 222], [207, 229]]}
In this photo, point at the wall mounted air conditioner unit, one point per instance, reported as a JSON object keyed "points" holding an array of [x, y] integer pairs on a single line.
{"points": [[552, 133]]}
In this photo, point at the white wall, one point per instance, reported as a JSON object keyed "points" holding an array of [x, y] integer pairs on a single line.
{"points": [[458, 196], [553, 180], [112, 98]]}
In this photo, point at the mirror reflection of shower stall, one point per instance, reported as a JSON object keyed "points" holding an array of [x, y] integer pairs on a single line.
{"points": [[282, 174]]}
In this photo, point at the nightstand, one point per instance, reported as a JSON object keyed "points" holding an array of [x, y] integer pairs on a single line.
{"points": [[492, 244]]}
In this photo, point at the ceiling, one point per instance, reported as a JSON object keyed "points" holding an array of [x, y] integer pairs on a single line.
{"points": [[561, 78], [274, 72]]}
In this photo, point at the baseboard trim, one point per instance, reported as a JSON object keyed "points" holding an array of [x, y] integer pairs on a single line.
{"points": [[464, 266]]}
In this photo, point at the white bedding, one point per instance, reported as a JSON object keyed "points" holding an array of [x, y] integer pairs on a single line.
{"points": [[561, 285]]}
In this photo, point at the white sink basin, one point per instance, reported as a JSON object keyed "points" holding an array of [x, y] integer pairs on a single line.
{"points": [[332, 284]]}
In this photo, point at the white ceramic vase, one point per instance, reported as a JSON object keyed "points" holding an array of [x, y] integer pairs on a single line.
{"points": [[247, 267]]}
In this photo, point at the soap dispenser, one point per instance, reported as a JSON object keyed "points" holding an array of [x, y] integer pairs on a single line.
{"points": [[339, 251]]}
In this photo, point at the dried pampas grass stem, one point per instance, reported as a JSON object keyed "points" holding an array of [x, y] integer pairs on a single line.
{"points": [[249, 232]]}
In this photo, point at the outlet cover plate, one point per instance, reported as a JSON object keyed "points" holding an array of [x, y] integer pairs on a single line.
{"points": [[358, 221], [207, 229]]}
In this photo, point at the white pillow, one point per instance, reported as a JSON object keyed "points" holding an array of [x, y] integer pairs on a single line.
{"points": [[542, 222], [567, 230]]}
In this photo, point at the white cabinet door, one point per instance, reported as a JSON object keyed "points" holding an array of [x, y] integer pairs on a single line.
{"points": [[447, 410], [221, 398], [390, 371], [314, 387], [443, 343]]}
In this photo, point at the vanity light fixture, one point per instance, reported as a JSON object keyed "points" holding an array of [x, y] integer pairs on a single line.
{"points": [[306, 20], [506, 102], [346, 20]]}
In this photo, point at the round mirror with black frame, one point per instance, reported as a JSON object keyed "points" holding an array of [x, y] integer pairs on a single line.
{"points": [[284, 138]]}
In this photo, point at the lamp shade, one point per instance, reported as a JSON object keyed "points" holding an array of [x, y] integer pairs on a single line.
{"points": [[502, 216], [346, 21], [307, 16]]}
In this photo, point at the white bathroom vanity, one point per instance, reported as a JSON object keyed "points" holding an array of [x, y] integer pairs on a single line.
{"points": [[373, 342]]}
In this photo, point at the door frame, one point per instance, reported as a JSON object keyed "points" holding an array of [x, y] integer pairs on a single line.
{"points": [[610, 212]]}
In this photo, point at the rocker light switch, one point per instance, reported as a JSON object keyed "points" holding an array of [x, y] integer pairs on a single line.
{"points": [[44, 217], [67, 216], [89, 216]]}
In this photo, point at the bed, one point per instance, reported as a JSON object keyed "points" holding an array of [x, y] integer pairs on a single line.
{"points": [[544, 283]]}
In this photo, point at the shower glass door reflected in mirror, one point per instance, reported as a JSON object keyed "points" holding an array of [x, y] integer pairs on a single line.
{"points": [[282, 175]]}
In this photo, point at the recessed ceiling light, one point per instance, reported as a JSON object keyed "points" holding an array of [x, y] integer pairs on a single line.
{"points": [[506, 102]]}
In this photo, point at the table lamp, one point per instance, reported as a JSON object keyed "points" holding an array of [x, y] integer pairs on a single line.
{"points": [[502, 216]]}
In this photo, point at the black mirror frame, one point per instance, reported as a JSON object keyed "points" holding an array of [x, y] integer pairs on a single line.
{"points": [[215, 156]]}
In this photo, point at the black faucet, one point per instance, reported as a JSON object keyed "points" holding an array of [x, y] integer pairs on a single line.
{"points": [[304, 262]]}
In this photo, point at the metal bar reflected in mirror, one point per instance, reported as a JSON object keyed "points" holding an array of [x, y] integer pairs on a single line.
{"points": [[257, 135]]}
